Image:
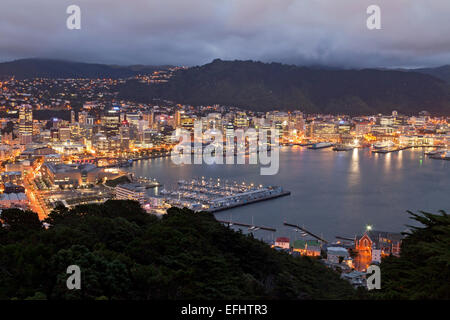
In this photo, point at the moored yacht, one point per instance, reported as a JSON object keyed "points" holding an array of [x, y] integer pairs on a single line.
{"points": [[321, 145], [383, 145]]}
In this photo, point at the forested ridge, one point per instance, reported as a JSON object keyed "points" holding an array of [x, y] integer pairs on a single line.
{"points": [[124, 253]]}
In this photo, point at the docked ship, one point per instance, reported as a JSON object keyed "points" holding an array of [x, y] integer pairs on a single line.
{"points": [[321, 145], [434, 152], [343, 147], [383, 145]]}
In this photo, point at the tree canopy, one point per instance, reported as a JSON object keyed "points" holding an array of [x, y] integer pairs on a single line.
{"points": [[423, 269], [125, 253]]}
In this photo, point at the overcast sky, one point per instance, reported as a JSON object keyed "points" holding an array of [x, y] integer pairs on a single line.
{"points": [[192, 32]]}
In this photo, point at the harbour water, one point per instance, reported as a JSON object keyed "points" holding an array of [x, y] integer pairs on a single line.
{"points": [[332, 193]]}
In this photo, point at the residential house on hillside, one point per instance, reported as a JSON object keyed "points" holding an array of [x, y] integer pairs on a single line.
{"points": [[309, 248]]}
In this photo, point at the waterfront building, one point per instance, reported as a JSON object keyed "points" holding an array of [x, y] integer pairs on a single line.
{"points": [[416, 140], [283, 242], [71, 176], [344, 127], [362, 128], [130, 191], [324, 130], [310, 248], [100, 143]]}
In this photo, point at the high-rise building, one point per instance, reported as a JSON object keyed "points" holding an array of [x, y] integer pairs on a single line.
{"points": [[72, 117], [82, 118], [178, 115], [125, 137], [64, 134], [241, 120], [26, 124], [111, 122], [149, 117]]}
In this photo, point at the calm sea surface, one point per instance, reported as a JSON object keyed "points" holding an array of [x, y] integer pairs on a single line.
{"points": [[333, 193]]}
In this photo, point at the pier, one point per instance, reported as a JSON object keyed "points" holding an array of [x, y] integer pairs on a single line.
{"points": [[255, 228], [216, 195], [282, 194], [305, 231], [396, 149]]}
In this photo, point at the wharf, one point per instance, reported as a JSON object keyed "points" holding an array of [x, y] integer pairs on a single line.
{"points": [[231, 223], [274, 196], [396, 149]]}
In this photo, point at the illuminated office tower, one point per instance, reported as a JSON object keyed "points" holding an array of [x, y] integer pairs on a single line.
{"points": [[82, 118], [241, 120], [26, 124], [64, 134], [72, 117], [124, 137], [110, 122], [149, 116], [229, 131], [178, 115]]}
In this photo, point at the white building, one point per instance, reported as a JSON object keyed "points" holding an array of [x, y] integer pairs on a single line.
{"points": [[130, 191], [376, 255], [334, 253]]}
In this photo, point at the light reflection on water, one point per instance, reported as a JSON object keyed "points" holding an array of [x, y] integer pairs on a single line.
{"points": [[333, 193]]}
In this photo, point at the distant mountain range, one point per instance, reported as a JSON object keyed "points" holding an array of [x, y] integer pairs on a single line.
{"points": [[48, 68], [439, 72], [262, 87], [267, 86]]}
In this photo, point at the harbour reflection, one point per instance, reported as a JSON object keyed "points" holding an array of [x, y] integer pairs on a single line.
{"points": [[331, 193]]}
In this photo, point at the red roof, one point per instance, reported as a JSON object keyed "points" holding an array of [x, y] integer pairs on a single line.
{"points": [[282, 239]]}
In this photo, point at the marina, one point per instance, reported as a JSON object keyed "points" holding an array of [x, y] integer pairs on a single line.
{"points": [[216, 195], [346, 178]]}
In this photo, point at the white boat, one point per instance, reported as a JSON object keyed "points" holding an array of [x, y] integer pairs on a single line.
{"points": [[343, 147], [383, 145], [321, 145], [434, 152]]}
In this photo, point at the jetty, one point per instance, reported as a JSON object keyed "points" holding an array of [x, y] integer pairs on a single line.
{"points": [[305, 231], [251, 227]]}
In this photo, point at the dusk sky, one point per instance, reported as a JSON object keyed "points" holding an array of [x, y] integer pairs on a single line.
{"points": [[414, 33]]}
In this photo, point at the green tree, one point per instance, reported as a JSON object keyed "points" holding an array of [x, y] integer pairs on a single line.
{"points": [[423, 269]]}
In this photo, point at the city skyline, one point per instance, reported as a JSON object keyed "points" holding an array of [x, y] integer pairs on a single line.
{"points": [[225, 151]]}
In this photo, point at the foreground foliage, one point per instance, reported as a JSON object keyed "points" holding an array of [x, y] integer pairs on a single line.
{"points": [[125, 253], [423, 269]]}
